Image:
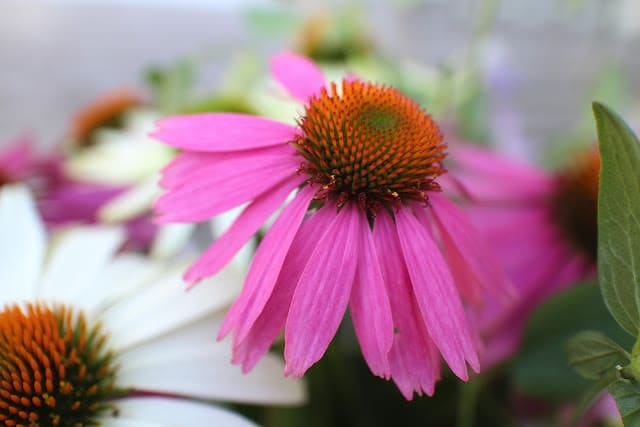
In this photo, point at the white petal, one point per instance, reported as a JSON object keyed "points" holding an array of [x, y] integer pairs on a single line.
{"points": [[137, 157], [190, 362], [131, 203], [165, 305], [77, 259], [164, 412], [123, 275], [22, 245], [128, 422], [170, 240]]}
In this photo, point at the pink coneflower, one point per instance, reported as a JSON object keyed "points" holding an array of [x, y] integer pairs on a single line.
{"points": [[542, 226], [61, 200], [367, 227]]}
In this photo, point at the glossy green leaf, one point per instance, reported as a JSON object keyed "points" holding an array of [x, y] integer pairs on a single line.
{"points": [[541, 367], [619, 218], [592, 354], [627, 396]]}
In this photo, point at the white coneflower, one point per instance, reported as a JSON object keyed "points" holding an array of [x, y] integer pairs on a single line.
{"points": [[88, 336], [128, 157]]}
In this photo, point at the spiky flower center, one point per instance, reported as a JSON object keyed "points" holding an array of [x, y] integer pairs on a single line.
{"points": [[575, 201], [54, 368], [370, 144]]}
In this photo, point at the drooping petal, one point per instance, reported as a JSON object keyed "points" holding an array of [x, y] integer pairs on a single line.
{"points": [[163, 306], [321, 296], [533, 284], [221, 186], [22, 245], [245, 226], [463, 276], [266, 266], [435, 292], [212, 132], [300, 76], [79, 256], [414, 359], [370, 307], [503, 327], [469, 251], [487, 177], [193, 364], [165, 412], [272, 319]]}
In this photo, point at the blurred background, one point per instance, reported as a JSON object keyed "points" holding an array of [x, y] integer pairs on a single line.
{"points": [[552, 56], [88, 78]]}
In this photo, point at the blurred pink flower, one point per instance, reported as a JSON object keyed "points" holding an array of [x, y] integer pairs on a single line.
{"points": [[360, 232], [60, 200], [542, 226]]}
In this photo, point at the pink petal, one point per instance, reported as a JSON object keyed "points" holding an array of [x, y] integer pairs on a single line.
{"points": [[414, 359], [299, 75], [487, 162], [222, 132], [471, 255], [489, 177], [221, 186], [244, 227], [265, 267], [549, 261], [370, 307], [187, 165], [321, 296], [462, 275], [269, 324], [18, 157], [436, 295]]}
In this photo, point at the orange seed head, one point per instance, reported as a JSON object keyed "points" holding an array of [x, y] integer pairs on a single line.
{"points": [[370, 144]]}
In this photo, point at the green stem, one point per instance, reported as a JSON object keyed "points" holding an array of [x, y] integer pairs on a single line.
{"points": [[467, 401]]}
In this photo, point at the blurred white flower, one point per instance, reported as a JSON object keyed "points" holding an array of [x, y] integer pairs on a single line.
{"points": [[94, 335], [128, 156]]}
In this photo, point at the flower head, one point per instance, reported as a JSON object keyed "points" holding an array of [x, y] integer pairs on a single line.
{"points": [[531, 217], [360, 231], [87, 336]]}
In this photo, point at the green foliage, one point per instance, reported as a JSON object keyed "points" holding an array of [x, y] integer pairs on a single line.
{"points": [[619, 218], [172, 86], [541, 368], [627, 396], [592, 354], [173, 89]]}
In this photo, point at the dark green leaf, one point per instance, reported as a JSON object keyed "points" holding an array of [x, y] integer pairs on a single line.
{"points": [[541, 367], [590, 397], [619, 218], [627, 396], [592, 353]]}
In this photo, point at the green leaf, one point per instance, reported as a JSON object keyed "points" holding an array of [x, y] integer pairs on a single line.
{"points": [[541, 368], [619, 218], [172, 85], [592, 354], [627, 396], [590, 396]]}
